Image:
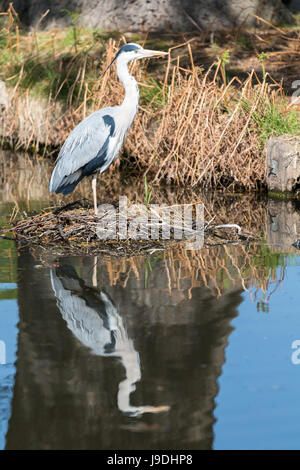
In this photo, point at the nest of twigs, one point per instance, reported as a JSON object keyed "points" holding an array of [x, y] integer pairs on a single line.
{"points": [[74, 228]]}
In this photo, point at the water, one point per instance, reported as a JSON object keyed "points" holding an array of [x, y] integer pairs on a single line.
{"points": [[257, 405], [177, 350]]}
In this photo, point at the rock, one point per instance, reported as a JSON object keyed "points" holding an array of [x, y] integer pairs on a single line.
{"points": [[151, 15], [283, 163]]}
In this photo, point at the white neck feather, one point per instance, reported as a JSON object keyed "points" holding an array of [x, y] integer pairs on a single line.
{"points": [[131, 99]]}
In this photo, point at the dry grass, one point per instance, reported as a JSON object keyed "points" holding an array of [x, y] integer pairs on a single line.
{"points": [[193, 128], [206, 134]]}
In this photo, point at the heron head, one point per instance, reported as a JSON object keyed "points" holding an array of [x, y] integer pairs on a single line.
{"points": [[133, 51]]}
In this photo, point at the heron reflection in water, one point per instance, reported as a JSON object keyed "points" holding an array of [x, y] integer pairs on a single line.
{"points": [[95, 322]]}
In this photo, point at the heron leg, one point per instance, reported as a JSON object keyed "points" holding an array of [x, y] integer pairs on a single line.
{"points": [[94, 183]]}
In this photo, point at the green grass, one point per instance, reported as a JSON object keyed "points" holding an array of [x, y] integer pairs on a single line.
{"points": [[153, 93], [245, 42], [149, 265], [44, 78], [267, 259], [52, 68], [148, 193], [274, 119]]}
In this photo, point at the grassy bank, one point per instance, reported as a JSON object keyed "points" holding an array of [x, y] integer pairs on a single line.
{"points": [[197, 125]]}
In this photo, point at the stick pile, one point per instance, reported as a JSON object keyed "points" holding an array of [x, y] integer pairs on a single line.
{"points": [[75, 229]]}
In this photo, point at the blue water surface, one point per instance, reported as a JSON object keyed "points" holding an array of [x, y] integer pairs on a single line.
{"points": [[257, 406], [258, 402], [9, 318]]}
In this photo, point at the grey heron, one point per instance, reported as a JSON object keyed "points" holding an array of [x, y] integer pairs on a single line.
{"points": [[95, 142]]}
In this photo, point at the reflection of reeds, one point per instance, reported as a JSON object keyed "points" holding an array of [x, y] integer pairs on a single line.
{"points": [[218, 269], [192, 128], [23, 178]]}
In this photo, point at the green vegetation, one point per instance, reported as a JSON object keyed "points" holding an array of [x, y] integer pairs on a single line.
{"points": [[281, 196], [244, 41], [262, 57], [148, 193], [150, 263], [153, 93], [53, 65], [273, 118], [75, 30], [225, 59], [277, 121]]}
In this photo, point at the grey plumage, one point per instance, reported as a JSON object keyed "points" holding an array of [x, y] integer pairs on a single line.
{"points": [[93, 145], [87, 142]]}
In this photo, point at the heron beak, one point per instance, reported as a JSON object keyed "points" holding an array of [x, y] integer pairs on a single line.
{"points": [[110, 64], [149, 53]]}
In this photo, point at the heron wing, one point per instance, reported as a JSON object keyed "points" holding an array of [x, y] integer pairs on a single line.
{"points": [[84, 151]]}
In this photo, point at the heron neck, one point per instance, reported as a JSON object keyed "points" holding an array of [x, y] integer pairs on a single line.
{"points": [[131, 98]]}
